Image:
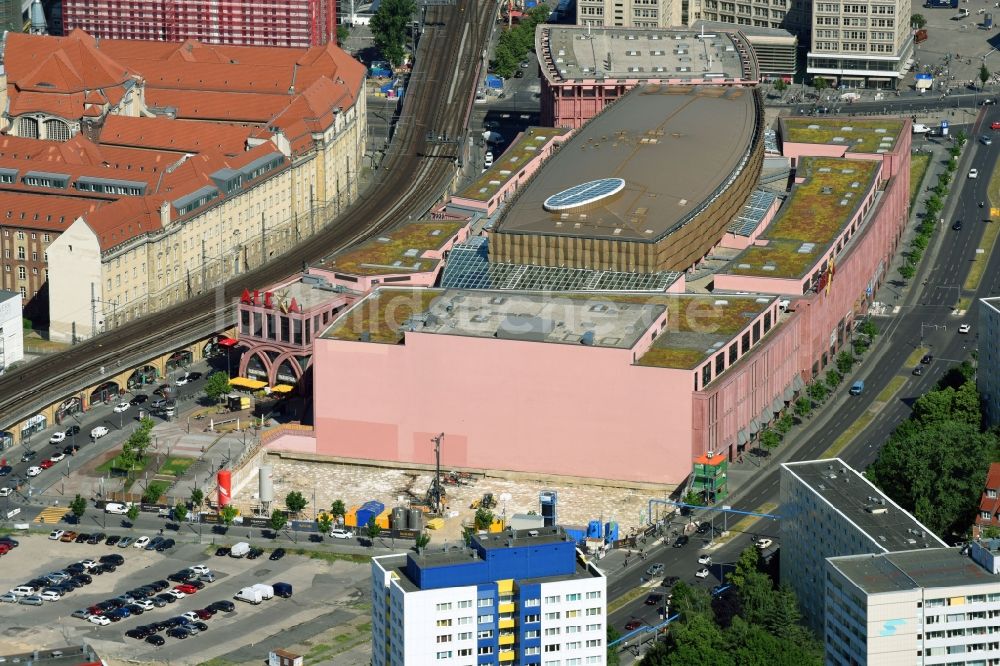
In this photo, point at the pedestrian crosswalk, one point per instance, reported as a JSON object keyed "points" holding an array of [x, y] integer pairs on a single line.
{"points": [[52, 514]]}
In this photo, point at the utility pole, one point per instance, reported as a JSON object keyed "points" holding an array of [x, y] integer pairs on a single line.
{"points": [[93, 309], [437, 472], [204, 263], [263, 249]]}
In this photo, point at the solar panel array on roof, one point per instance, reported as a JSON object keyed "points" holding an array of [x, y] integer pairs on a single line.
{"points": [[752, 214], [469, 268]]}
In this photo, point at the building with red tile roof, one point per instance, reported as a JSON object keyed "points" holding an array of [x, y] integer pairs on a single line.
{"points": [[168, 147], [989, 504], [284, 23]]}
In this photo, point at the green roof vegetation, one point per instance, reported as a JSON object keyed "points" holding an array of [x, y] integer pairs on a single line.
{"points": [[696, 325], [382, 315], [815, 213], [525, 149], [860, 136], [397, 251]]}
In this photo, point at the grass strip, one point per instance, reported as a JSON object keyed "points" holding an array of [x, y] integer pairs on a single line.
{"points": [[891, 389], [848, 435], [918, 167], [915, 356], [988, 241]]}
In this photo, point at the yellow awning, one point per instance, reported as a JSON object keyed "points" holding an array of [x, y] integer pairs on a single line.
{"points": [[243, 382], [282, 388]]}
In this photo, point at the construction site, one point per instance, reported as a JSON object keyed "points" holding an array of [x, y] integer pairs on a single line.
{"points": [[462, 494]]}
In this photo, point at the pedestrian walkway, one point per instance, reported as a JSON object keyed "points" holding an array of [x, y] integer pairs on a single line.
{"points": [[51, 514]]}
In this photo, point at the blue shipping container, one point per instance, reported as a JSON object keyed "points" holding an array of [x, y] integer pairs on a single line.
{"points": [[611, 531], [494, 81], [368, 511], [594, 529], [577, 534]]}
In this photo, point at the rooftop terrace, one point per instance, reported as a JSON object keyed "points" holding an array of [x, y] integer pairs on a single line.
{"points": [[697, 325], [878, 135], [571, 53], [525, 149], [907, 570], [813, 216], [397, 251]]}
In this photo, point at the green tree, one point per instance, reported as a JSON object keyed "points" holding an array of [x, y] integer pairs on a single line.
{"points": [[337, 509], [756, 597], [388, 27], [228, 514], [611, 636], [422, 540], [907, 271], [918, 21], [343, 32], [785, 614], [197, 498], [180, 512], [217, 386], [749, 562], [278, 520], [817, 391], [153, 492], [784, 424], [984, 74], [79, 507], [324, 523], [373, 530], [961, 137], [869, 328], [803, 406], [833, 379], [845, 362], [936, 470], [780, 85], [484, 518], [132, 513], [295, 502], [769, 439], [820, 84]]}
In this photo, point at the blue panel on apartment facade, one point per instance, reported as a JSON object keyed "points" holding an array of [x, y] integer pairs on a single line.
{"points": [[488, 591], [529, 604], [528, 561]]}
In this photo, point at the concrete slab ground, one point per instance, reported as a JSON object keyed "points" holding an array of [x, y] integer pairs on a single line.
{"points": [[964, 40], [356, 485]]}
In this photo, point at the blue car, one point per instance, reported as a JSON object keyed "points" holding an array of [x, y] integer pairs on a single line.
{"points": [[121, 613]]}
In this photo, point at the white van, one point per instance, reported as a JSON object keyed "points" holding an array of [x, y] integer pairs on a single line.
{"points": [[240, 549], [251, 595], [23, 591], [115, 508], [266, 591]]}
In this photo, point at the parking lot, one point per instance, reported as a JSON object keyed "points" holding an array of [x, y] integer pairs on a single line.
{"points": [[325, 594]]}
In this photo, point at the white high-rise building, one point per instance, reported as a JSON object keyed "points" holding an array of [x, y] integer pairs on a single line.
{"points": [[922, 607], [520, 596], [988, 376], [830, 510]]}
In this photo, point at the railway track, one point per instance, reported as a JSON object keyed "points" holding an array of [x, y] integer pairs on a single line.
{"points": [[413, 175]]}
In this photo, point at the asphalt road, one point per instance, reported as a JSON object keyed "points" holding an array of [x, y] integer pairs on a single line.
{"points": [[925, 319]]}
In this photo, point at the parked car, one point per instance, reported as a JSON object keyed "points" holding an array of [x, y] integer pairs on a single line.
{"points": [[338, 533], [705, 559], [155, 639], [6, 540], [67, 537], [205, 613], [70, 449], [764, 543], [33, 471], [135, 609], [5, 470], [99, 619], [57, 438], [6, 492], [704, 528], [182, 576], [141, 542], [125, 542], [222, 551], [50, 595], [176, 593], [702, 573], [83, 537], [207, 577], [96, 539], [223, 605], [157, 540], [83, 579], [28, 455], [81, 614], [159, 585], [138, 399], [8, 598], [31, 600], [178, 632], [277, 554], [195, 583], [72, 430], [112, 540], [255, 553], [138, 633], [122, 407], [681, 541], [193, 376], [187, 589], [98, 432]]}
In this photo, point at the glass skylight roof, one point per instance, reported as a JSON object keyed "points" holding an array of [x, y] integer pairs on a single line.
{"points": [[584, 194]]}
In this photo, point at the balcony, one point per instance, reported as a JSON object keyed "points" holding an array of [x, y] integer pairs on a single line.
{"points": [[506, 655], [506, 639], [506, 623], [505, 608]]}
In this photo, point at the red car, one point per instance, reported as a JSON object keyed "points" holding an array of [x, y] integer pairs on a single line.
{"points": [[632, 625], [45, 464], [94, 610], [186, 589], [4, 548], [996, 125], [205, 613]]}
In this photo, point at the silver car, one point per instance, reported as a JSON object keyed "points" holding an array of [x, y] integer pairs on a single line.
{"points": [[33, 600], [8, 598], [125, 542]]}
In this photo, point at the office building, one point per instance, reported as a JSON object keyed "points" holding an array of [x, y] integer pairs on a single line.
{"points": [[830, 510], [520, 596], [988, 376], [285, 23], [861, 44], [11, 331], [927, 607], [791, 16]]}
